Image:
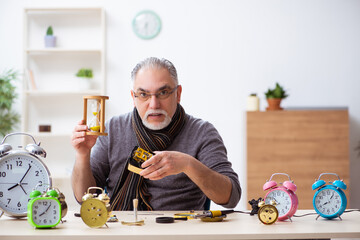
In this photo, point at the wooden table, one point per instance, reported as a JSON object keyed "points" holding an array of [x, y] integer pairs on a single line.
{"points": [[235, 226]]}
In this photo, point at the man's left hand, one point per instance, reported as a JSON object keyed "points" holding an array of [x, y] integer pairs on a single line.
{"points": [[165, 163]]}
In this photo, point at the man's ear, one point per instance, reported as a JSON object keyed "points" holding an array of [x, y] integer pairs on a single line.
{"points": [[178, 92], [133, 97]]}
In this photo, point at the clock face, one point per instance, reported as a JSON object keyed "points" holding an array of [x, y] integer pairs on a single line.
{"points": [[282, 200], [268, 214], [328, 201], [20, 173], [146, 24], [45, 212]]}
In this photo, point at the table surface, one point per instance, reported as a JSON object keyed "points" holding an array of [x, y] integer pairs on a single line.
{"points": [[235, 226]]}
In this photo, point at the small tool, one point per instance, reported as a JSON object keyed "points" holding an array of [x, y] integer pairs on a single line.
{"points": [[136, 222], [213, 214]]}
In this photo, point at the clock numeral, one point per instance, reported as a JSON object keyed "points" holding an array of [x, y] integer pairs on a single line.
{"points": [[19, 163], [2, 174], [19, 204], [9, 200], [36, 173], [1, 194], [9, 166]]}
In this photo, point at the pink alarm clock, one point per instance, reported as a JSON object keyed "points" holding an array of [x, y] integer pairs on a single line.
{"points": [[283, 196]]}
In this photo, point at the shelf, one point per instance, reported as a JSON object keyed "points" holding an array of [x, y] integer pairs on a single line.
{"points": [[52, 94], [62, 50], [45, 93], [49, 10], [50, 135]]}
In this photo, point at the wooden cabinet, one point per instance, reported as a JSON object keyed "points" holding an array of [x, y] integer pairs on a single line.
{"points": [[301, 143]]}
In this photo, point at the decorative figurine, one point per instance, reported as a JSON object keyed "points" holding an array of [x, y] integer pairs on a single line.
{"points": [[96, 121]]}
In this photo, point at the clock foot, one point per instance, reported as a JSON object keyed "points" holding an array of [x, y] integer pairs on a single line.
{"points": [[290, 219], [340, 217], [317, 217]]}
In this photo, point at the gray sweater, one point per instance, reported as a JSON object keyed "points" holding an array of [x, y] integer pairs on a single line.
{"points": [[198, 138]]}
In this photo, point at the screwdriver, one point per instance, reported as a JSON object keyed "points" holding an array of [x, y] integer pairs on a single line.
{"points": [[214, 213]]}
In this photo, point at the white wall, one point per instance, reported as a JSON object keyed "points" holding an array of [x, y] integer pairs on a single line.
{"points": [[224, 50]]}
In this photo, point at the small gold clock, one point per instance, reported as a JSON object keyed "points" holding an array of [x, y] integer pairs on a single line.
{"points": [[95, 210], [268, 214]]}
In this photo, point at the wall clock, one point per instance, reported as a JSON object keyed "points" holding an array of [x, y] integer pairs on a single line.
{"points": [[146, 24], [21, 170], [329, 200], [284, 196]]}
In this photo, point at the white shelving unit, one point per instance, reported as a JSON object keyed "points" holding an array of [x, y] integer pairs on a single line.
{"points": [[57, 98]]}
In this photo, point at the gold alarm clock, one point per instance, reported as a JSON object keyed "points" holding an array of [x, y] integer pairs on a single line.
{"points": [[95, 209], [267, 213]]}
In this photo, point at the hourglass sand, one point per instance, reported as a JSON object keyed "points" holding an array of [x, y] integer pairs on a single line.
{"points": [[95, 107]]}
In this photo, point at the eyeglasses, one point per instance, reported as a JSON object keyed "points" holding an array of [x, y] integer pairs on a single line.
{"points": [[162, 94]]}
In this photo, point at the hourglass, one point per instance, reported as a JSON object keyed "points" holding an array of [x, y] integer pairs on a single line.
{"points": [[95, 120]]}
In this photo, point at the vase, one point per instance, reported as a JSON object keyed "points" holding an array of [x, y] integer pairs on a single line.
{"points": [[274, 104], [83, 83], [50, 41]]}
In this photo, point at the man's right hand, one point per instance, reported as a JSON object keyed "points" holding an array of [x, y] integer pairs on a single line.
{"points": [[81, 142]]}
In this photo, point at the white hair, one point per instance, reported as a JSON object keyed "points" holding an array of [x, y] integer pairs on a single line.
{"points": [[156, 63]]}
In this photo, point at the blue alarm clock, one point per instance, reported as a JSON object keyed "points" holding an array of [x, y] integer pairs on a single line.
{"points": [[329, 200]]}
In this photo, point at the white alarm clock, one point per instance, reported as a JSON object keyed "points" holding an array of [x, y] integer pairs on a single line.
{"points": [[21, 170]]}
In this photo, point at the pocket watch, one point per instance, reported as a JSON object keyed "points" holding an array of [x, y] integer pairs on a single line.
{"points": [[268, 213], [284, 196], [329, 200], [46, 210], [21, 170], [146, 24], [95, 210]]}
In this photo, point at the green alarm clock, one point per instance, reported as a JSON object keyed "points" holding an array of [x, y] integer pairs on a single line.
{"points": [[46, 210]]}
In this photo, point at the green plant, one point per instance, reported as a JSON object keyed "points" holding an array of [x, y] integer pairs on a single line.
{"points": [[49, 31], [277, 92], [8, 117], [85, 72]]}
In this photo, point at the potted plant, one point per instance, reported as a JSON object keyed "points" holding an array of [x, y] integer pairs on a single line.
{"points": [[84, 75], [274, 97], [8, 117], [50, 39]]}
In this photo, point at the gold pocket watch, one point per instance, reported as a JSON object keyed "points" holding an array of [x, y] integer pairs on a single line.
{"points": [[268, 213], [95, 209]]}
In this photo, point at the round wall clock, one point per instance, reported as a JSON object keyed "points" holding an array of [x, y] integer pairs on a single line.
{"points": [[146, 24]]}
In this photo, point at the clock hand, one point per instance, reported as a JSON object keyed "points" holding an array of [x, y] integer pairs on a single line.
{"points": [[45, 210], [13, 186], [25, 173], [332, 195], [23, 189]]}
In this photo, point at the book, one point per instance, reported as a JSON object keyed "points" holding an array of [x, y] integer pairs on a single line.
{"points": [[31, 80]]}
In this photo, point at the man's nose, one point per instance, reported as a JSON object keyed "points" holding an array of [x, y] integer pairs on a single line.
{"points": [[154, 102]]}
